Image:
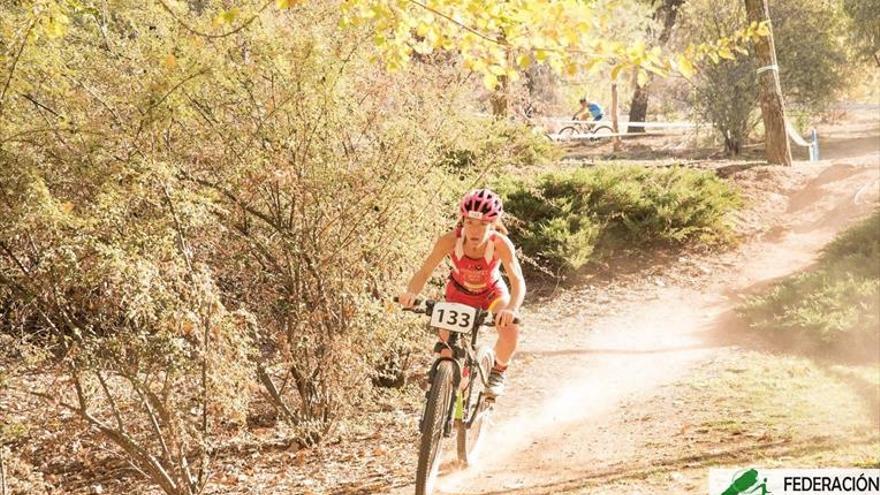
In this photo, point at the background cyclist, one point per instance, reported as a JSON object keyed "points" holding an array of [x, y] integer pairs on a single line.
{"points": [[589, 110]]}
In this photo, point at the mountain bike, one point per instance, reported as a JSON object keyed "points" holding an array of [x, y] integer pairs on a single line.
{"points": [[592, 130], [456, 401]]}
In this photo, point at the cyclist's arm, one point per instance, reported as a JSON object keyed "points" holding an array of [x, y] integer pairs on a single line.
{"points": [[442, 247], [507, 253]]}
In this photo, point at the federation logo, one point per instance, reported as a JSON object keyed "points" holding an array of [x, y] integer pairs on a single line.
{"points": [[746, 482]]}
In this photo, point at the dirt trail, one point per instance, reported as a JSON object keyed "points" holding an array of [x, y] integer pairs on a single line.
{"points": [[570, 376]]}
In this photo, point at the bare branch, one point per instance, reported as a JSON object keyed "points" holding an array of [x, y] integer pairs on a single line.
{"points": [[146, 461], [209, 35], [154, 422], [14, 64], [276, 397], [112, 401]]}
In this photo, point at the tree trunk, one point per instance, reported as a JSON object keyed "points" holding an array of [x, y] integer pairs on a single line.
{"points": [[772, 108], [638, 107], [614, 117]]}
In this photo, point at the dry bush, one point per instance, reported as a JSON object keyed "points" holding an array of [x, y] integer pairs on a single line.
{"points": [[187, 220], [111, 298]]}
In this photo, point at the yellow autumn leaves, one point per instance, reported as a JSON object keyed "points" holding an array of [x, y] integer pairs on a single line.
{"points": [[494, 39], [498, 39]]}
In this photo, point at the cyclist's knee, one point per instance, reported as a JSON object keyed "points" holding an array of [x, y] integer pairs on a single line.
{"points": [[510, 332]]}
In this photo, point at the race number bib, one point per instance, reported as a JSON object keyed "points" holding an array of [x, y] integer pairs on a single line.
{"points": [[454, 317]]}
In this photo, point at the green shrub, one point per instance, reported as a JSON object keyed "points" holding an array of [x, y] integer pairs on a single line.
{"points": [[837, 305], [563, 219]]}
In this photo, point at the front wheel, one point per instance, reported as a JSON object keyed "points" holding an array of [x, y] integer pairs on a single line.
{"points": [[603, 131], [476, 410], [433, 422]]}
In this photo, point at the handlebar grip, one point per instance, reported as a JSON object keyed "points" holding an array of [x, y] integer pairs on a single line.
{"points": [[416, 302], [516, 321]]}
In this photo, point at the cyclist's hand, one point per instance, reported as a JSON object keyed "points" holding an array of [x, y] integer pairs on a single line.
{"points": [[504, 318], [407, 299]]}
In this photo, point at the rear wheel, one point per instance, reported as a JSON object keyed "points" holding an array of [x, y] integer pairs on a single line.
{"points": [[433, 422], [476, 410], [567, 133]]}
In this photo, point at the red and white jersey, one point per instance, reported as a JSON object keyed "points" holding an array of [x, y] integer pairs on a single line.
{"points": [[475, 273]]}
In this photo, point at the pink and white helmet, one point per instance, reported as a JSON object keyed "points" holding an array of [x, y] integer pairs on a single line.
{"points": [[481, 204]]}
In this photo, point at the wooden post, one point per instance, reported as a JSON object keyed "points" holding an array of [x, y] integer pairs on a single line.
{"points": [[772, 109], [614, 116]]}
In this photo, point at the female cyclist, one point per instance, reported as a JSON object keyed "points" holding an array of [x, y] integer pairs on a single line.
{"points": [[476, 247]]}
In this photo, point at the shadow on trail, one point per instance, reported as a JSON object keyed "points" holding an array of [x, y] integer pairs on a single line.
{"points": [[731, 455], [626, 263], [582, 351]]}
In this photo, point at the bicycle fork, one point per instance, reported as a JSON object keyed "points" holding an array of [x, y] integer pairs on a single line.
{"points": [[456, 403]]}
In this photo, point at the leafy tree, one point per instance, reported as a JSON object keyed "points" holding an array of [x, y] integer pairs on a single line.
{"points": [[496, 38], [812, 68], [865, 27]]}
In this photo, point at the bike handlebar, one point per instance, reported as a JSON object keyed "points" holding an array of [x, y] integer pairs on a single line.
{"points": [[481, 313]]}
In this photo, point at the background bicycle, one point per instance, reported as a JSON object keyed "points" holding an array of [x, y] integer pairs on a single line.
{"points": [[592, 131]]}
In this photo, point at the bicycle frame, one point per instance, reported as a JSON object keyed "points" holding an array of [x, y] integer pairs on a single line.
{"points": [[448, 398], [463, 357]]}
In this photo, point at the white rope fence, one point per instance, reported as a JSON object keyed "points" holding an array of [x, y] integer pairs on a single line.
{"points": [[813, 145], [653, 125], [589, 125]]}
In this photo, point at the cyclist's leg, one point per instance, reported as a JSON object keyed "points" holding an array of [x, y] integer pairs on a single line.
{"points": [[508, 337], [505, 345]]}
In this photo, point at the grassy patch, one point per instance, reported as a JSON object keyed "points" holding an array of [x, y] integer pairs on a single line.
{"points": [[567, 218], [749, 408], [834, 307], [766, 395]]}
